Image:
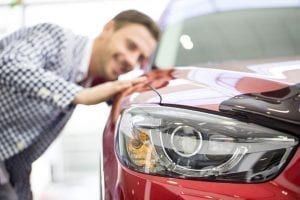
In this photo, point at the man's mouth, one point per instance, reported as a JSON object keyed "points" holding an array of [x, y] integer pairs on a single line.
{"points": [[119, 62], [116, 71]]}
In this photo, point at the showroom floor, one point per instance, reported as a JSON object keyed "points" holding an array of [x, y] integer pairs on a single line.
{"points": [[85, 186], [69, 170]]}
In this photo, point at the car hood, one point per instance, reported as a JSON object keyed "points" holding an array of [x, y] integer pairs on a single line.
{"points": [[271, 90]]}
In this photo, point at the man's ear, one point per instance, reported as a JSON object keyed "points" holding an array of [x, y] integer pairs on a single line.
{"points": [[109, 26]]}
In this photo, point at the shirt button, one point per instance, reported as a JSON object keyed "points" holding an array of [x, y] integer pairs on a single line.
{"points": [[80, 76], [56, 97], [20, 146], [44, 92]]}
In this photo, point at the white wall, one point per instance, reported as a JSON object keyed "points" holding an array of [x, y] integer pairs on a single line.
{"points": [[89, 17], [72, 162]]}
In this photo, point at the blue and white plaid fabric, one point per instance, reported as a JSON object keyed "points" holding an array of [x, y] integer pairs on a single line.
{"points": [[39, 68]]}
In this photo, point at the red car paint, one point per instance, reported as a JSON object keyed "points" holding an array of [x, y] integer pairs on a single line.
{"points": [[123, 183], [205, 88], [134, 185]]}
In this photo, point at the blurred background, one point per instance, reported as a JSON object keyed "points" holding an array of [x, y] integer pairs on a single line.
{"points": [[69, 170]]}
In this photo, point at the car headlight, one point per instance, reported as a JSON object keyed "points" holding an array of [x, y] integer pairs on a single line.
{"points": [[183, 143]]}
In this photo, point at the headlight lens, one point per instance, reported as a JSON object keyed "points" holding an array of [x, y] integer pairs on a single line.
{"points": [[190, 144]]}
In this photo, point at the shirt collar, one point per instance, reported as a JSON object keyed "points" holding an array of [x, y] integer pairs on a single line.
{"points": [[85, 61]]}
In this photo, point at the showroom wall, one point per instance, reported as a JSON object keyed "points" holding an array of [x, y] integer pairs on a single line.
{"points": [[69, 169]]}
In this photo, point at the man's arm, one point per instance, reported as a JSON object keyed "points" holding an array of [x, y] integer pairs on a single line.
{"points": [[22, 64], [105, 91]]}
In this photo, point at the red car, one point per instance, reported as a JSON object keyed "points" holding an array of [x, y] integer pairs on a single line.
{"points": [[220, 115]]}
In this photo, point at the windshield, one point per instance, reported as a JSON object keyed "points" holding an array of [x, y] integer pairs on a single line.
{"points": [[231, 36]]}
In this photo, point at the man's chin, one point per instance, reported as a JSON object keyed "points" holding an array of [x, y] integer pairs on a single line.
{"points": [[112, 78]]}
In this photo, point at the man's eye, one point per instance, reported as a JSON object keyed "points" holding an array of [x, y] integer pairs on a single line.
{"points": [[131, 46]]}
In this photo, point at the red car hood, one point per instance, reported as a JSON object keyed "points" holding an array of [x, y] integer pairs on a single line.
{"points": [[266, 89]]}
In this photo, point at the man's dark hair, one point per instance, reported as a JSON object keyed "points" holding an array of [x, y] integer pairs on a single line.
{"points": [[134, 16]]}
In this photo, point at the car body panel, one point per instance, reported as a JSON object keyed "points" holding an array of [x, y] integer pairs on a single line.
{"points": [[134, 185], [174, 87], [261, 91]]}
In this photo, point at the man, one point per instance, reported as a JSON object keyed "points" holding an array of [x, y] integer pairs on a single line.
{"points": [[45, 71]]}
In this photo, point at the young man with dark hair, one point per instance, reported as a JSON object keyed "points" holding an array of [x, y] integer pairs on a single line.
{"points": [[45, 71]]}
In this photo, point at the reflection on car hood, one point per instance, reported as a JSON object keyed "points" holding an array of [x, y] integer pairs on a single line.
{"points": [[271, 90]]}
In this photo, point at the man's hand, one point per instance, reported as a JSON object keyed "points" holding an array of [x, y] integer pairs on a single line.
{"points": [[105, 91]]}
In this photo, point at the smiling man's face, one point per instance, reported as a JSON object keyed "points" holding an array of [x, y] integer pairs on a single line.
{"points": [[123, 49]]}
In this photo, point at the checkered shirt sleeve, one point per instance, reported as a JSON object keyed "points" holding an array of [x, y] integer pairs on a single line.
{"points": [[28, 65]]}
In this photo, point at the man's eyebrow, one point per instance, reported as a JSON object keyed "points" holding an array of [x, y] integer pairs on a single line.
{"points": [[132, 43]]}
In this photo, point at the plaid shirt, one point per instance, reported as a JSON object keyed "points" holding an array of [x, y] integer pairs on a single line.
{"points": [[39, 68]]}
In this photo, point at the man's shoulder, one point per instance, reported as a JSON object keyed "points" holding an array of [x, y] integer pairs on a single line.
{"points": [[50, 31], [36, 31], [47, 27]]}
